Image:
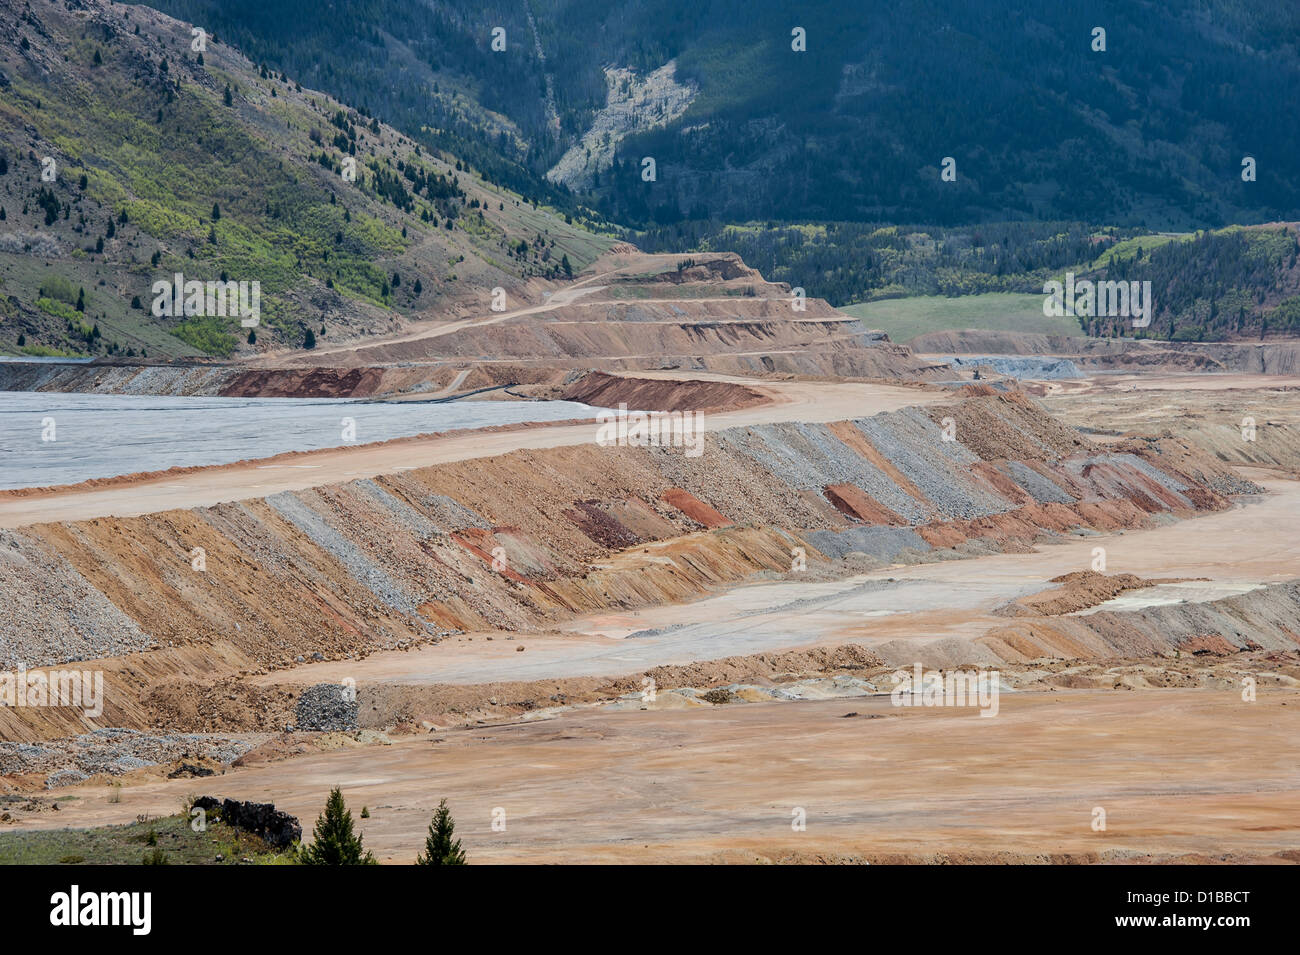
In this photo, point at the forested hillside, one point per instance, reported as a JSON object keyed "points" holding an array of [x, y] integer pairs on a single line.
{"points": [[1219, 286], [846, 262], [128, 156], [803, 162], [1151, 131]]}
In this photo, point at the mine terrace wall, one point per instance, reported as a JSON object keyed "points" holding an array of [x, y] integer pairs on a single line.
{"points": [[405, 558]]}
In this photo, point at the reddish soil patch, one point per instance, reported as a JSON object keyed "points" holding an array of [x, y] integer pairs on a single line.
{"points": [[481, 543], [599, 526], [694, 508], [304, 383], [1210, 644], [852, 500]]}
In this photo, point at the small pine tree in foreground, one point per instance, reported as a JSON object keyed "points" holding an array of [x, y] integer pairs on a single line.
{"points": [[333, 841], [439, 847]]}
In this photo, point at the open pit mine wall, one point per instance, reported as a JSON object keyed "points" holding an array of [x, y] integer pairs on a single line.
{"points": [[218, 380], [1120, 354], [236, 381], [437, 374], [738, 335], [533, 537]]}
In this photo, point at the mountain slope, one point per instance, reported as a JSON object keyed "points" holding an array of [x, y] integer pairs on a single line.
{"points": [[163, 159], [1151, 131]]}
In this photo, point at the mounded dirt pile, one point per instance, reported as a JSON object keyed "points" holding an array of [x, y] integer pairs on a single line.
{"points": [[213, 379], [1257, 426], [652, 394], [1078, 591], [523, 539], [1263, 618]]}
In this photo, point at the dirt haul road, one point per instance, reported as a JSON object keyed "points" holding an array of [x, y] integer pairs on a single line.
{"points": [[902, 614], [606, 269], [789, 401], [1177, 771], [557, 299]]}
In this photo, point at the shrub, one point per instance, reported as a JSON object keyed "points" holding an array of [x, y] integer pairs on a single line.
{"points": [[60, 289]]}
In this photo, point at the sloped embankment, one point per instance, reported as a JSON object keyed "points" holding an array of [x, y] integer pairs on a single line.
{"points": [[530, 538], [119, 377], [235, 381], [1264, 619], [609, 391]]}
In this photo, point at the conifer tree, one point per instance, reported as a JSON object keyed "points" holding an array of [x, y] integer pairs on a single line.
{"points": [[439, 847], [333, 841]]}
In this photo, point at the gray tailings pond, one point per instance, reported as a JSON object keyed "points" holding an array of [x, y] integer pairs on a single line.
{"points": [[99, 436]]}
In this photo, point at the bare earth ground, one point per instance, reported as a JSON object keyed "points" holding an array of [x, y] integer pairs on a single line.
{"points": [[1183, 383], [1178, 772], [1182, 774], [1131, 402]]}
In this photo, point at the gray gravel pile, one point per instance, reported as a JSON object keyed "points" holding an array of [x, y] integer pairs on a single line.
{"points": [[1153, 472], [835, 461], [1124, 482], [327, 706], [408, 517], [65, 777], [155, 380], [1034, 368], [52, 614], [810, 457], [916, 451], [926, 433], [1039, 487], [451, 514], [850, 467], [241, 526], [293, 509], [113, 751], [133, 380], [769, 446], [1225, 481], [884, 543]]}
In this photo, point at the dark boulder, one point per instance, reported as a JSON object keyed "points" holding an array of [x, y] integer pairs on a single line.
{"points": [[279, 830], [186, 770]]}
